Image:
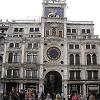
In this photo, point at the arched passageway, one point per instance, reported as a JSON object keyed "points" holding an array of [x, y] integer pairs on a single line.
{"points": [[53, 82]]}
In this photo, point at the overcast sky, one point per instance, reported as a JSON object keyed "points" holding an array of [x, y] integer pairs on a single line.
{"points": [[81, 10]]}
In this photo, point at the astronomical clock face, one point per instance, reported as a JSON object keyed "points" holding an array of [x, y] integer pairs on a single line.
{"points": [[53, 53]]}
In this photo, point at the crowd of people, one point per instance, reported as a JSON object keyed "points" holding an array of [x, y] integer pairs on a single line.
{"points": [[91, 96], [31, 94]]}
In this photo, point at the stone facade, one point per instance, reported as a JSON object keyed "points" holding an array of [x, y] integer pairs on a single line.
{"points": [[51, 55]]}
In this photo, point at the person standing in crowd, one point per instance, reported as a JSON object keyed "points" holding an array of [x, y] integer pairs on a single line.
{"points": [[14, 94], [98, 97], [31, 95], [48, 97], [75, 97], [5, 96], [22, 95], [58, 97], [92, 97]]}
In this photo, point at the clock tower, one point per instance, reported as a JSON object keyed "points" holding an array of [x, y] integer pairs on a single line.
{"points": [[53, 45]]}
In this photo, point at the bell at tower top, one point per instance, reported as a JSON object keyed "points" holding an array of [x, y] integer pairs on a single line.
{"points": [[54, 1]]}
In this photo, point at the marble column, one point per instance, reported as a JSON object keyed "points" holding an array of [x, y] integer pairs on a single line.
{"points": [[98, 55], [65, 91], [84, 90], [23, 52], [82, 54], [20, 86], [41, 86]]}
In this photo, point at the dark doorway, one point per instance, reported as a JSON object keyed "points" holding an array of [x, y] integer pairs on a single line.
{"points": [[53, 82], [9, 86]]}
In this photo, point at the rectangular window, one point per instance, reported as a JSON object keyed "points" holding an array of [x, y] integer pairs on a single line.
{"points": [[34, 58], [90, 75], [16, 58], [93, 46], [15, 29], [71, 46], [60, 34], [21, 29], [88, 30], [73, 30], [29, 58], [83, 30], [77, 75], [28, 74], [9, 73], [88, 46], [15, 73], [11, 45], [35, 46], [72, 75], [95, 74], [31, 29], [68, 30], [34, 74], [36, 29], [29, 45], [77, 46], [16, 45]]}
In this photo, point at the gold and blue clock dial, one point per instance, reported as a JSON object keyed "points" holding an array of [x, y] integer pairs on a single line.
{"points": [[53, 53]]}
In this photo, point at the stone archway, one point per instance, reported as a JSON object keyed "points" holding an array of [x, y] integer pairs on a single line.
{"points": [[53, 82]]}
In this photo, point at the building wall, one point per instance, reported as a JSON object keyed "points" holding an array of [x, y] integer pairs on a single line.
{"points": [[40, 40]]}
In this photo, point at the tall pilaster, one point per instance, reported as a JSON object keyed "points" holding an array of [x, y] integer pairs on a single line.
{"points": [[20, 86], [41, 85], [84, 90], [82, 54], [5, 49], [98, 55], [65, 91], [4, 60], [23, 52]]}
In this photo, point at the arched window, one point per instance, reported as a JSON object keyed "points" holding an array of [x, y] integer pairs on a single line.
{"points": [[10, 57], [77, 59], [94, 59], [71, 59], [1, 59], [88, 59]]}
